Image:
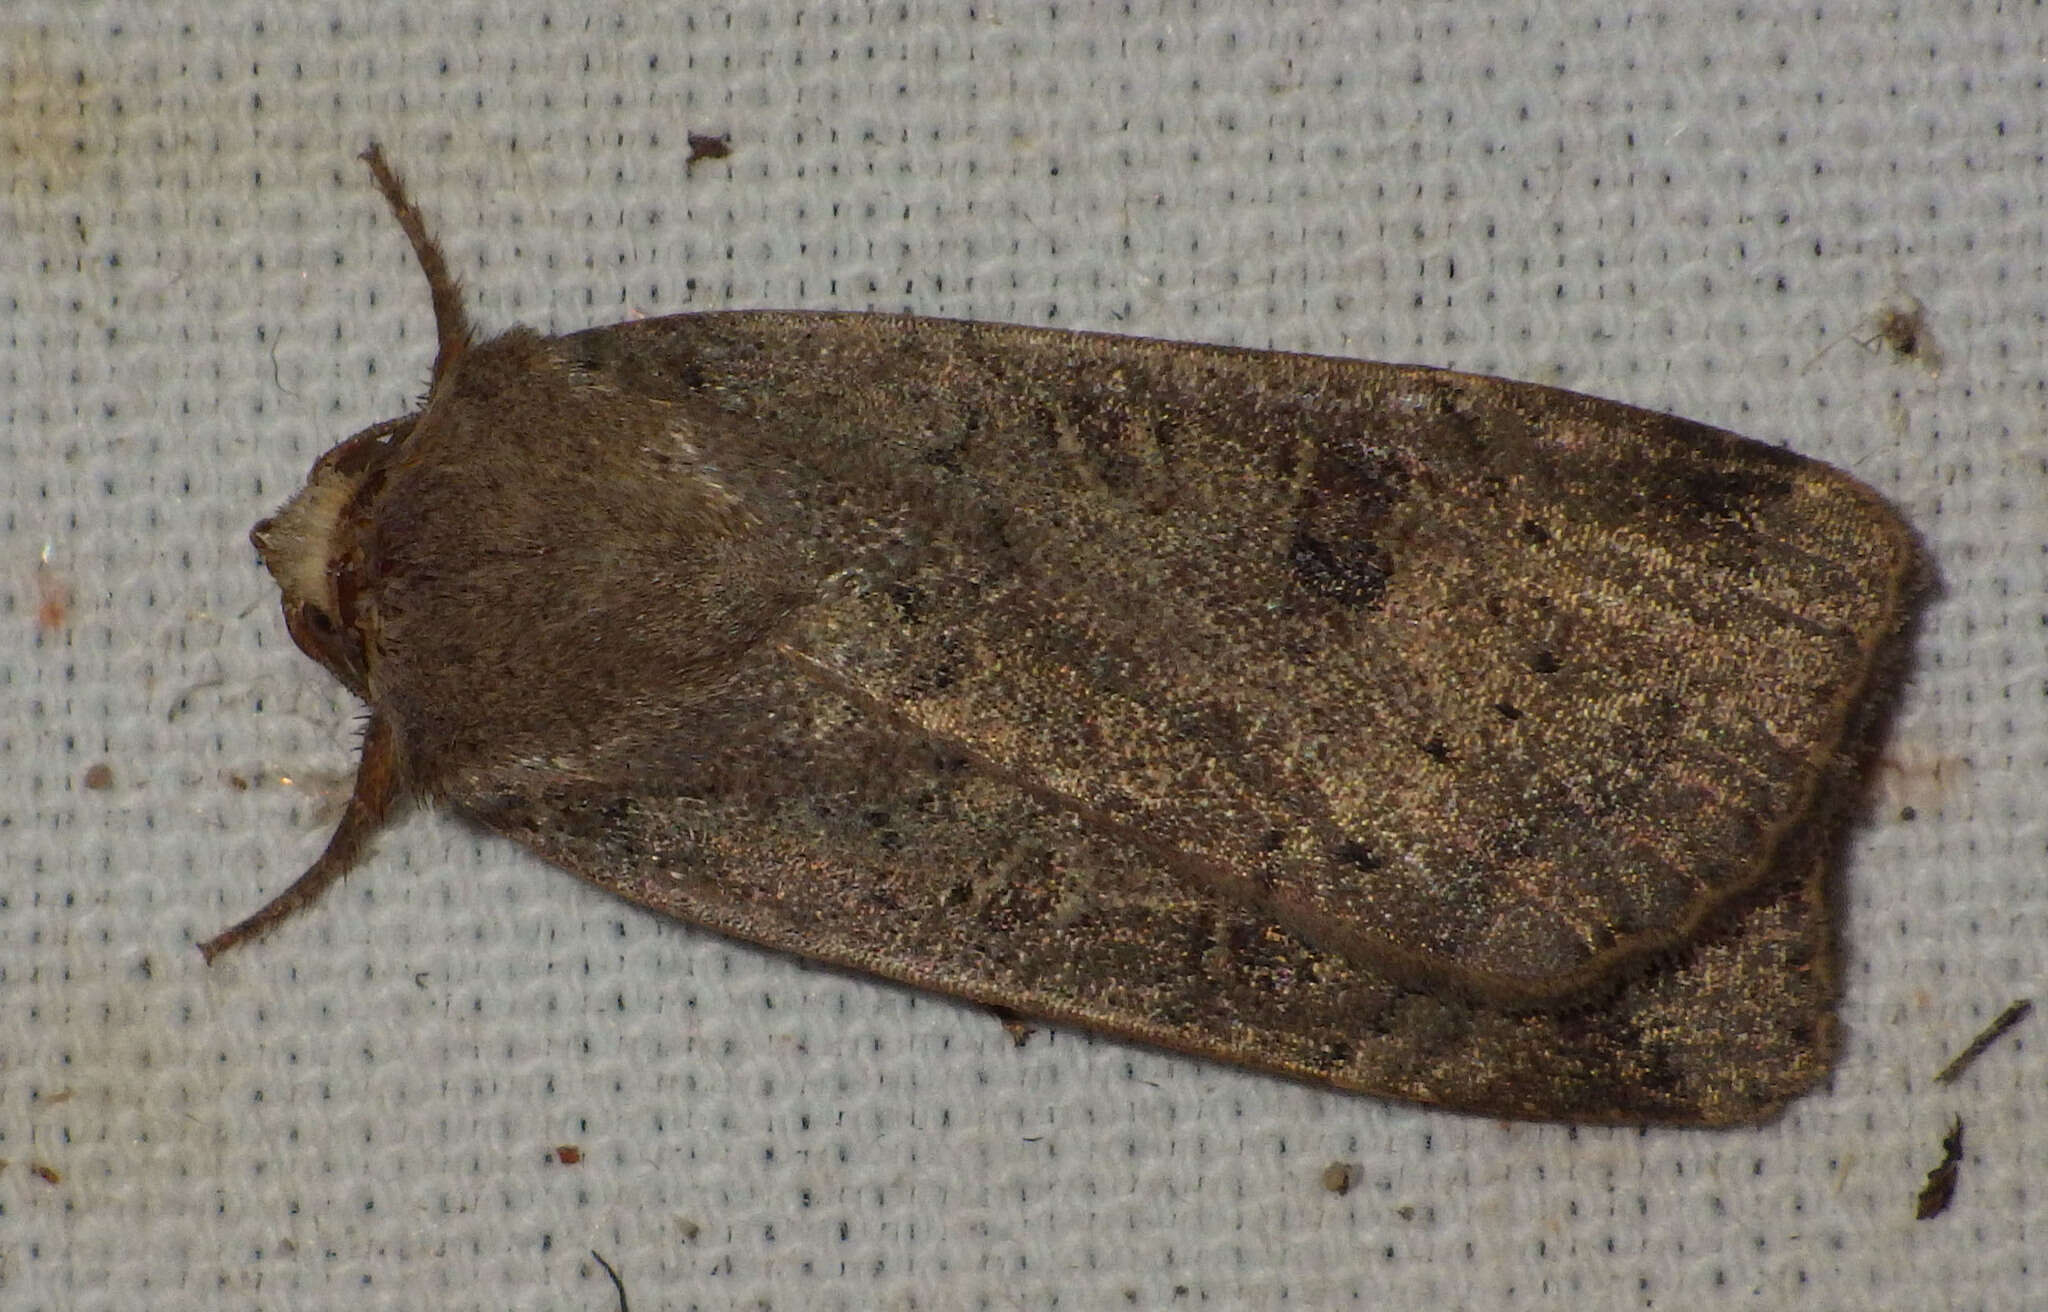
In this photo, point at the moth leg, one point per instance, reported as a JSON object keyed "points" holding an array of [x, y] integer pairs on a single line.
{"points": [[1016, 1024], [369, 806], [451, 323]]}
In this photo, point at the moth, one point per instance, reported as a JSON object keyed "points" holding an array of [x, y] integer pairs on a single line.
{"points": [[1426, 735]]}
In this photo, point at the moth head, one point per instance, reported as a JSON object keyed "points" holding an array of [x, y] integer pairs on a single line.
{"points": [[313, 547]]}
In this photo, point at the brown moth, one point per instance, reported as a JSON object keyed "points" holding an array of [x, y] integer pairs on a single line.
{"points": [[1426, 735]]}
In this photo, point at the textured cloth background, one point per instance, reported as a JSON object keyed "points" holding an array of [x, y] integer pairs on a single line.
{"points": [[1701, 208]]}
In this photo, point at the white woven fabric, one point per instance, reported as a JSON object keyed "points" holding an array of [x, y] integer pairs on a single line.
{"points": [[1698, 208]]}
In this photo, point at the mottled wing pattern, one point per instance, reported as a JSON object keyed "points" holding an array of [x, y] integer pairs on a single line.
{"points": [[1433, 736]]}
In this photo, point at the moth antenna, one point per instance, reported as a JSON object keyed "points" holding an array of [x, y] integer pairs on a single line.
{"points": [[451, 323], [376, 792]]}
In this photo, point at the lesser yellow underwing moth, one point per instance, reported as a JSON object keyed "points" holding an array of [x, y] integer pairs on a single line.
{"points": [[1426, 735]]}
